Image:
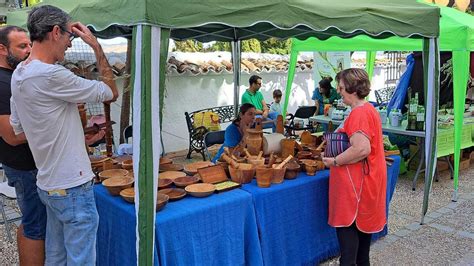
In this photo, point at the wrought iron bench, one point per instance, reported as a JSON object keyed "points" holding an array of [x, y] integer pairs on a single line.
{"points": [[196, 135]]}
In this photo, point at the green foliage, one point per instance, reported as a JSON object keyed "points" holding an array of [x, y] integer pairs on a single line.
{"points": [[275, 46], [188, 46], [220, 46], [252, 45], [272, 46]]}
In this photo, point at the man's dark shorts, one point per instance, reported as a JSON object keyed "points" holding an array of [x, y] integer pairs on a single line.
{"points": [[32, 209]]}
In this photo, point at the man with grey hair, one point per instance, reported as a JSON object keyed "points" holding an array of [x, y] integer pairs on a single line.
{"points": [[44, 107]]}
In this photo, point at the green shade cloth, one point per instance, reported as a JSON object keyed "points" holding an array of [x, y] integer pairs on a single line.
{"points": [[211, 20]]}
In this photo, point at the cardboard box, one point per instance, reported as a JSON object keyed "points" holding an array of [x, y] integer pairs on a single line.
{"points": [[442, 166], [464, 164]]}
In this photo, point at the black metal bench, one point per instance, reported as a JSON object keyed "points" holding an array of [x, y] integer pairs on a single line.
{"points": [[196, 135]]}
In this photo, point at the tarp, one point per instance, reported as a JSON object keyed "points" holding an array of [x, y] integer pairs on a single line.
{"points": [[226, 20], [456, 35], [229, 20]]}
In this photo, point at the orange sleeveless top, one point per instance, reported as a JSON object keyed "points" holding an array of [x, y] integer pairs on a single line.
{"points": [[353, 195]]}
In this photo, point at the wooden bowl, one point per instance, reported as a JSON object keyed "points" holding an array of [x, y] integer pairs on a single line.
{"points": [[278, 174], [112, 173], [171, 167], [127, 164], [311, 167], [161, 201], [185, 181], [244, 174], [98, 159], [116, 184], [164, 160], [128, 194], [304, 155], [253, 160], [164, 183], [302, 163], [200, 190], [174, 193], [191, 169], [171, 175], [292, 169], [264, 176]]}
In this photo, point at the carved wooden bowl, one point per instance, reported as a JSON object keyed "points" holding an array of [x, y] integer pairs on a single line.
{"points": [[116, 184], [113, 173]]}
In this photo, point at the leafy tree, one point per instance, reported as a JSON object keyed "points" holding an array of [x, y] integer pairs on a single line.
{"points": [[275, 46], [221, 46], [188, 46], [252, 45]]}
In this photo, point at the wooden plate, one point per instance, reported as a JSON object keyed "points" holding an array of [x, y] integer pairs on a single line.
{"points": [[164, 183], [200, 190], [164, 160], [112, 173], [185, 181], [171, 167], [128, 194], [161, 201], [191, 169], [174, 193], [171, 175]]}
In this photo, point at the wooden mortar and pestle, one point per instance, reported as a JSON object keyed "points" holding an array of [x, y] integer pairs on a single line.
{"points": [[239, 172]]}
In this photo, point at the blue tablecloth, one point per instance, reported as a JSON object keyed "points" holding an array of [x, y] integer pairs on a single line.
{"points": [[292, 218], [217, 230]]}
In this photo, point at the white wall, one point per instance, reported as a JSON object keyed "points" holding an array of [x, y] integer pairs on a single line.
{"points": [[191, 93]]}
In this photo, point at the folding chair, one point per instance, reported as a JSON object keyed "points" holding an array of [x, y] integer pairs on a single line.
{"points": [[303, 112], [8, 215], [127, 133], [212, 138]]}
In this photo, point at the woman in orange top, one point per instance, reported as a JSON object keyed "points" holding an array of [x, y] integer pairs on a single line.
{"points": [[358, 176]]}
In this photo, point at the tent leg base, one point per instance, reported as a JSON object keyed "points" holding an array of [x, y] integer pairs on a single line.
{"points": [[454, 198]]}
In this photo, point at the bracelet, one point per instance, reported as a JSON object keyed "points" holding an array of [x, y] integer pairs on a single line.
{"points": [[334, 162]]}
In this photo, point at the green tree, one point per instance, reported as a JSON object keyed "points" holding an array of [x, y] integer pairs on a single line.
{"points": [[275, 46], [220, 46], [252, 45], [188, 46]]}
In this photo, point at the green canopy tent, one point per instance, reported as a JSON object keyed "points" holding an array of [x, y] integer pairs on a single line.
{"points": [[150, 24], [456, 35]]}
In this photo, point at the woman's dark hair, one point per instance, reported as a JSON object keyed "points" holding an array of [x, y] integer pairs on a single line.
{"points": [[325, 86], [242, 110], [355, 80]]}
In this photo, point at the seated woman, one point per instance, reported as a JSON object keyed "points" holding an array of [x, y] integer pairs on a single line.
{"points": [[324, 94], [234, 132]]}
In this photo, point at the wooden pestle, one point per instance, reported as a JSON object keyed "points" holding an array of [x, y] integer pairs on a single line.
{"points": [[230, 161], [228, 153], [247, 153], [259, 156], [271, 160], [284, 162], [320, 147]]}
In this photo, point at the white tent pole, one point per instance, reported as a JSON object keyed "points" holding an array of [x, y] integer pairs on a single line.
{"points": [[236, 55]]}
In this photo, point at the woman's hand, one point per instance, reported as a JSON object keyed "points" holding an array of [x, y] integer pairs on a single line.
{"points": [[329, 161]]}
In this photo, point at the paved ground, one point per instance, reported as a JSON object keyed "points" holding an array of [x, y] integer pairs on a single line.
{"points": [[446, 238]]}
